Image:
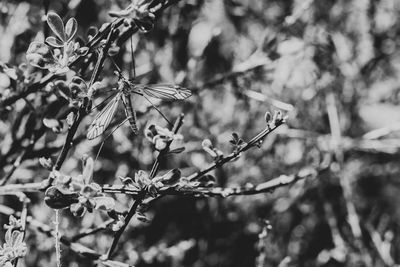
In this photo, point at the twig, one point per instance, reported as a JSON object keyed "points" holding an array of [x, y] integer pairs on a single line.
{"points": [[88, 232], [142, 194], [344, 179], [253, 142], [268, 186], [57, 237]]}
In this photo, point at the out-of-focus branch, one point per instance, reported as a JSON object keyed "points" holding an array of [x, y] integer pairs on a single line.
{"points": [[382, 246], [344, 179], [364, 144]]}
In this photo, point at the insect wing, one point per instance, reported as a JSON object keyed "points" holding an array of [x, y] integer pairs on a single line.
{"points": [[166, 91], [103, 118]]}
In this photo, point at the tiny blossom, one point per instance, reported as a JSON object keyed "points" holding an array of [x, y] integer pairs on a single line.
{"points": [[161, 136], [13, 248], [117, 225], [13, 223]]}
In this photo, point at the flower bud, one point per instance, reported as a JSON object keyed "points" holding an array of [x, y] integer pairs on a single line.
{"points": [[171, 177], [159, 143]]}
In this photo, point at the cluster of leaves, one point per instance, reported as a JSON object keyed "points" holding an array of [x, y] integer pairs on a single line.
{"points": [[14, 246], [58, 51]]}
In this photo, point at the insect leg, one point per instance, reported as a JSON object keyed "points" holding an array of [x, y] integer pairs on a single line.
{"points": [[102, 143]]}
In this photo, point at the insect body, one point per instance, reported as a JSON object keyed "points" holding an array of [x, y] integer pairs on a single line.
{"points": [[125, 90]]}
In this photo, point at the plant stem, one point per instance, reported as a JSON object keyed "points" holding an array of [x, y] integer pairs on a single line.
{"points": [[142, 194], [253, 142], [57, 238]]}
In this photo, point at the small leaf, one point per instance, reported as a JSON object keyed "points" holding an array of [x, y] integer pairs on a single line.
{"points": [[176, 150], [159, 143], [235, 136], [96, 86], [70, 119], [62, 88], [9, 71], [82, 51], [113, 51], [39, 55], [71, 28], [46, 163], [16, 238], [141, 217], [5, 81], [77, 209], [114, 264], [58, 198], [70, 49], [53, 124], [145, 24], [92, 32], [206, 143], [78, 85], [171, 177], [89, 191], [207, 181], [104, 203], [209, 148], [54, 42], [267, 116], [56, 25]]}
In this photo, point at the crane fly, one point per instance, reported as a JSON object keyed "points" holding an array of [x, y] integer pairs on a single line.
{"points": [[125, 90]]}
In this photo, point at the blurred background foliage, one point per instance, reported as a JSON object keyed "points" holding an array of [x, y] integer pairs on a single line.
{"points": [[240, 58]]}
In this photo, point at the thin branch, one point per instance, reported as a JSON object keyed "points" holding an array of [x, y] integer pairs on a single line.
{"points": [[268, 186], [142, 194], [93, 231], [344, 179], [253, 142]]}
